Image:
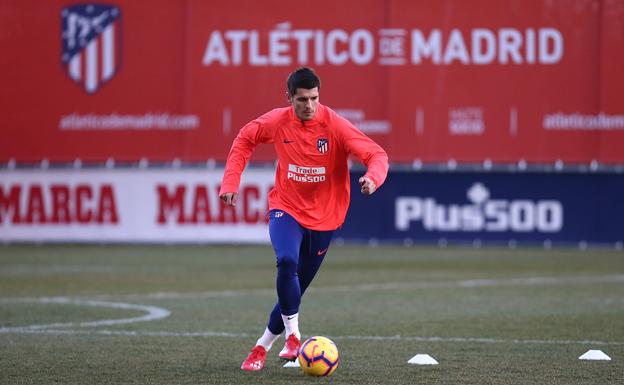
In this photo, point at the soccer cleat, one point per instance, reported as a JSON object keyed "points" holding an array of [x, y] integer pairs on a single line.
{"points": [[255, 359], [291, 348]]}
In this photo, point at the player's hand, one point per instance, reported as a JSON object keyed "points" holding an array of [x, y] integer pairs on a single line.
{"points": [[229, 198], [367, 186]]}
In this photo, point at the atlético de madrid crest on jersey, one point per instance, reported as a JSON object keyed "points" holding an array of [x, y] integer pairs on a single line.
{"points": [[91, 36], [322, 145]]}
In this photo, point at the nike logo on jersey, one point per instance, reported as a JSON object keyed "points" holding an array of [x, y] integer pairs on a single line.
{"points": [[286, 141], [321, 252]]}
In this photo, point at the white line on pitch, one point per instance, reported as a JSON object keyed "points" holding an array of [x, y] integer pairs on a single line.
{"points": [[153, 313], [42, 271], [481, 340], [137, 333], [470, 283]]}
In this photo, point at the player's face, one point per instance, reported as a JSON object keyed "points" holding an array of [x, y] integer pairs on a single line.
{"points": [[305, 102]]}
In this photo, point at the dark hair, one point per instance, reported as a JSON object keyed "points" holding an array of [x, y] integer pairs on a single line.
{"points": [[302, 77]]}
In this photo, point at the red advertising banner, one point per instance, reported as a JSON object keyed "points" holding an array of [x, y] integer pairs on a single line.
{"points": [[131, 205], [538, 80]]}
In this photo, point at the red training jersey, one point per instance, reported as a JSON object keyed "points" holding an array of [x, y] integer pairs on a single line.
{"points": [[312, 176]]}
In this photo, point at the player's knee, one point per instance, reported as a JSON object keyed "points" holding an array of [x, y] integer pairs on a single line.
{"points": [[287, 263]]}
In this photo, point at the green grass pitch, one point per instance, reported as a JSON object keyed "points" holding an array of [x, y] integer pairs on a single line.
{"points": [[81, 314]]}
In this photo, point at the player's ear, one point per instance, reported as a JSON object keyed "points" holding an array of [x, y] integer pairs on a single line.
{"points": [[288, 97]]}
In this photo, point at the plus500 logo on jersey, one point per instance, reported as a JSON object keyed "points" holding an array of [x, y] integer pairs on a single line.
{"points": [[306, 174], [484, 214]]}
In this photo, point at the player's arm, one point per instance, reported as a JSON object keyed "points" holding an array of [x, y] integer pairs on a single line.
{"points": [[369, 153], [243, 146]]}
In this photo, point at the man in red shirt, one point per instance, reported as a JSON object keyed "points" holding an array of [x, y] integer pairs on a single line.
{"points": [[310, 198]]}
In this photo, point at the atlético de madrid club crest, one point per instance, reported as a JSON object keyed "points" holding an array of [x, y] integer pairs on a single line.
{"points": [[91, 36], [322, 145]]}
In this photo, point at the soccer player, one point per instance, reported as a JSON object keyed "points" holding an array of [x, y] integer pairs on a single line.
{"points": [[310, 197]]}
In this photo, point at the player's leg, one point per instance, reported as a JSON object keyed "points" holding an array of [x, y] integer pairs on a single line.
{"points": [[314, 246], [276, 324], [286, 235], [312, 255]]}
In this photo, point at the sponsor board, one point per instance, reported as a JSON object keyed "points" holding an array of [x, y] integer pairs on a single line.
{"points": [[490, 207], [169, 205], [131, 206], [481, 213]]}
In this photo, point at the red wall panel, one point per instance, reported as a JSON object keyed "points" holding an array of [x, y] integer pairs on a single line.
{"points": [[502, 80]]}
